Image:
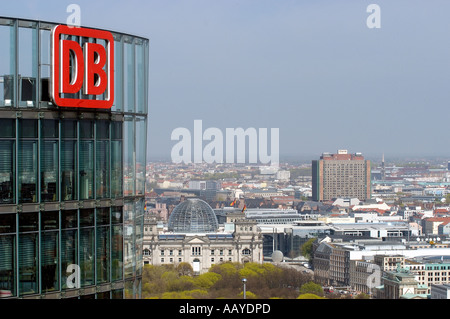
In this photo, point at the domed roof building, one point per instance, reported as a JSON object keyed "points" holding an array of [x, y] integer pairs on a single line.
{"points": [[193, 216], [193, 236]]}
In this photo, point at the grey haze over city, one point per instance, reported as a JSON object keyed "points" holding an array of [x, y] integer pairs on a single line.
{"points": [[313, 69]]}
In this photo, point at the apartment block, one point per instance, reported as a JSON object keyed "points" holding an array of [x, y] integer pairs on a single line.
{"points": [[341, 175]]}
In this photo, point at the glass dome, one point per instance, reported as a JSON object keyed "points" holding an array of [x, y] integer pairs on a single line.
{"points": [[193, 216]]}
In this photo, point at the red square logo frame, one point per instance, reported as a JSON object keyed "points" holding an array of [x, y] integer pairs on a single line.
{"points": [[58, 71]]}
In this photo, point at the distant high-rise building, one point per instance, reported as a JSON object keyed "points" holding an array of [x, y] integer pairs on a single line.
{"points": [[340, 175]]}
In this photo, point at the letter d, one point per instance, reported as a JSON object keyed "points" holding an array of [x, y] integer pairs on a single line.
{"points": [[264, 308], [72, 67]]}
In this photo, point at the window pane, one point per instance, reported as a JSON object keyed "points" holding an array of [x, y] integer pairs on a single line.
{"points": [[103, 295], [68, 253], [103, 255], [102, 169], [49, 129], [87, 260], [140, 154], [116, 169], [140, 78], [7, 223], [103, 216], [117, 294], [86, 169], [116, 130], [7, 128], [28, 129], [8, 63], [28, 222], [28, 63], [28, 270], [7, 172], [102, 130], [49, 220], [139, 235], [129, 75], [49, 262], [87, 129], [86, 217], [69, 129], [116, 215], [118, 75], [7, 265], [69, 219], [68, 169], [49, 171], [27, 171], [44, 65], [129, 239], [129, 156], [117, 253]]}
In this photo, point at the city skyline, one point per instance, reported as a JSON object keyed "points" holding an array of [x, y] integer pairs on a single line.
{"points": [[312, 69], [260, 164]]}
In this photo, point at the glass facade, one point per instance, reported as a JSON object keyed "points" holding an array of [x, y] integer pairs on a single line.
{"points": [[72, 181]]}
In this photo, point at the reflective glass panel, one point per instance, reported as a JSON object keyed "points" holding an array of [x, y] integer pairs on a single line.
{"points": [[8, 63], [7, 171], [103, 254], [49, 261], [69, 250], [49, 170], [86, 169], [68, 170], [87, 257], [7, 265], [28, 267], [102, 170], [27, 171], [69, 219]]}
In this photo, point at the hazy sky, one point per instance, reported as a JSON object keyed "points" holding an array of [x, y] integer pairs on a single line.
{"points": [[313, 69]]}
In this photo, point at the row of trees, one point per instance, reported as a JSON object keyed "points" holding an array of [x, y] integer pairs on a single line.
{"points": [[224, 280]]}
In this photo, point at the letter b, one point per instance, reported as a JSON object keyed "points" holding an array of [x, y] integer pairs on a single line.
{"points": [[95, 81]]}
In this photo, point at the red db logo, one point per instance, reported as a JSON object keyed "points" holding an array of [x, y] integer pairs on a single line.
{"points": [[87, 69]]}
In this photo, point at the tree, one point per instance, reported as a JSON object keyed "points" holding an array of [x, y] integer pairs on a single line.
{"points": [[224, 280], [312, 288], [207, 280], [309, 296], [307, 248], [248, 295], [447, 199], [185, 269]]}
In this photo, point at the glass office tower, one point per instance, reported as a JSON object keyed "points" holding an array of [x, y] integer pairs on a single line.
{"points": [[71, 180]]}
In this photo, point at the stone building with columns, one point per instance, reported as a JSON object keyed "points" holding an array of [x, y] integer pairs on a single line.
{"points": [[193, 235]]}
